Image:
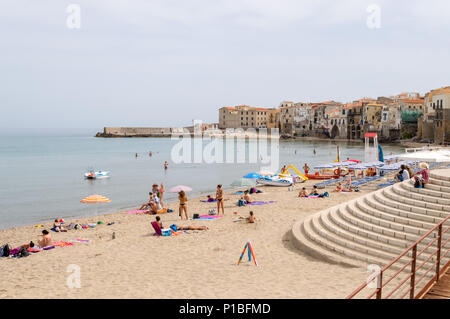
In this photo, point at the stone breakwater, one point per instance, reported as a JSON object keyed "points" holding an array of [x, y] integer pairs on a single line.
{"points": [[135, 132]]}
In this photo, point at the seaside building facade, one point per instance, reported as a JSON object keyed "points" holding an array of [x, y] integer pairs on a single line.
{"points": [[244, 116], [434, 125]]}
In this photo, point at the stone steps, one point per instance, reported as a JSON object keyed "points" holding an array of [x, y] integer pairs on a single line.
{"points": [[377, 227], [409, 186]]}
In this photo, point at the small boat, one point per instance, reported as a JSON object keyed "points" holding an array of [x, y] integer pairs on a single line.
{"points": [[274, 181], [320, 176], [96, 175]]}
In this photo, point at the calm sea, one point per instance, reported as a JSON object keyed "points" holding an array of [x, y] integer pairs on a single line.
{"points": [[41, 177]]}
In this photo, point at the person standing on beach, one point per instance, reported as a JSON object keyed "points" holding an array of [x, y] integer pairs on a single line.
{"points": [[306, 168], [183, 204], [162, 190], [219, 198]]}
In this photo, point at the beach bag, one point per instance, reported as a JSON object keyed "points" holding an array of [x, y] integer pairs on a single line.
{"points": [[174, 227], [22, 253], [6, 251], [252, 190], [240, 203], [212, 212], [196, 216], [417, 183]]}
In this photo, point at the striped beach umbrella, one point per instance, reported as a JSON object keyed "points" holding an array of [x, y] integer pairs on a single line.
{"points": [[95, 199]]}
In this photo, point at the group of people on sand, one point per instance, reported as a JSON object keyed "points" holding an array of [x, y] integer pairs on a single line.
{"points": [[421, 178], [156, 197], [314, 192]]}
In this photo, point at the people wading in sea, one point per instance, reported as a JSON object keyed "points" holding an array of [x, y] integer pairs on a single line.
{"points": [[166, 165]]}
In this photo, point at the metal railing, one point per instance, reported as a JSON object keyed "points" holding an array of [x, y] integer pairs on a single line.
{"points": [[416, 273]]}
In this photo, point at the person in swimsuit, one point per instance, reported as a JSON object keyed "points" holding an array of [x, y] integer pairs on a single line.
{"points": [[46, 239], [338, 188], [147, 205], [306, 168], [303, 193], [58, 227], [162, 190], [219, 198], [183, 204], [158, 220], [247, 197], [250, 218], [314, 191]]}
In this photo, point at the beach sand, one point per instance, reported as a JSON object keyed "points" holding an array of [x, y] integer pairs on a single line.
{"points": [[198, 264]]}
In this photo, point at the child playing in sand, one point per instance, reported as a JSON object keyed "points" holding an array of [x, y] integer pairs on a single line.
{"points": [[250, 218], [303, 193]]}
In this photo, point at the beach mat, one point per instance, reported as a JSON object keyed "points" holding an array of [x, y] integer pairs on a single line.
{"points": [[260, 203], [237, 193], [61, 243], [205, 201]]}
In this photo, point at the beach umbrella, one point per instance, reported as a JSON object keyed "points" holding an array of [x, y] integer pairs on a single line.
{"points": [[95, 199], [358, 166], [338, 164], [372, 164], [352, 160], [380, 153], [179, 188], [252, 175], [244, 182]]}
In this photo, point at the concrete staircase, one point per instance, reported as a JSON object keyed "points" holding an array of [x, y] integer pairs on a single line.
{"points": [[376, 228]]}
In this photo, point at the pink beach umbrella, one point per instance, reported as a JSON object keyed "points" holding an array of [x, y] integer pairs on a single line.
{"points": [[179, 188]]}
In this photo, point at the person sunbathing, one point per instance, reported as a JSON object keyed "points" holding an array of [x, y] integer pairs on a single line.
{"points": [[147, 205], [158, 220], [152, 208], [247, 197], [303, 193], [58, 227], [46, 239], [314, 191], [338, 188], [210, 199]]}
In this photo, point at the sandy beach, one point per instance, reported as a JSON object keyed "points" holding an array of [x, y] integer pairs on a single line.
{"points": [[196, 264]]}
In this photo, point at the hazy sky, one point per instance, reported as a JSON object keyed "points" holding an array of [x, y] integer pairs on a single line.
{"points": [[166, 62]]}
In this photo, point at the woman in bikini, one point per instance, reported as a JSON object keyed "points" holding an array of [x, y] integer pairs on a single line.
{"points": [[219, 198], [183, 204], [158, 220]]}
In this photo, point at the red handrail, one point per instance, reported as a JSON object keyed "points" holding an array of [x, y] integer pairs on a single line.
{"points": [[412, 261]]}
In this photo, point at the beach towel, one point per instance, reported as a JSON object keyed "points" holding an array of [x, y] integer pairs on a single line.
{"points": [[156, 228], [78, 240], [34, 250], [237, 193], [61, 243], [260, 203], [208, 201]]}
